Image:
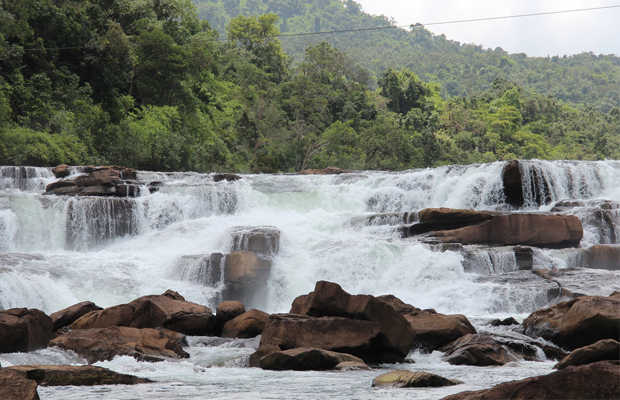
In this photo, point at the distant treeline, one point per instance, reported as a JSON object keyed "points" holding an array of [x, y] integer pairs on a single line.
{"points": [[150, 85]]}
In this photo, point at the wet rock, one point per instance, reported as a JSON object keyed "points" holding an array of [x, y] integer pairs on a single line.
{"points": [[261, 352], [257, 239], [103, 344], [344, 335], [247, 325], [75, 375], [245, 276], [504, 322], [98, 181], [439, 219], [151, 312], [305, 359], [525, 257], [513, 187], [226, 311], [70, 314], [225, 177], [352, 366], [405, 379], [575, 282], [205, 269], [14, 385], [576, 323], [540, 230], [329, 299], [479, 350], [606, 349], [604, 256], [325, 171], [434, 330], [592, 381], [401, 218], [23, 329], [155, 186], [60, 171]]}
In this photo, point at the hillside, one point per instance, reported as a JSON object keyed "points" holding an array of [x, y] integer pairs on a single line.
{"points": [[460, 69]]}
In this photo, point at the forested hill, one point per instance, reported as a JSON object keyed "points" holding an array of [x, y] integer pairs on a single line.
{"points": [[460, 69]]}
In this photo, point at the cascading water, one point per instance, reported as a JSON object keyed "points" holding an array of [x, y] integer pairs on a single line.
{"points": [[56, 251]]}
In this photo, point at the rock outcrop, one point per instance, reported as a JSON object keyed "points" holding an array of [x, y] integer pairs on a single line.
{"points": [[603, 256], [479, 350], [169, 311], [405, 379], [304, 359], [329, 299], [69, 315], [103, 344], [226, 311], [599, 380], [607, 349], [95, 181], [74, 375], [247, 325], [14, 385], [23, 329], [578, 322], [245, 276], [439, 219]]}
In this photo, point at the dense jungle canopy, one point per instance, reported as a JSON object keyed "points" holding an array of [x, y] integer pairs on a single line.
{"points": [[173, 85]]}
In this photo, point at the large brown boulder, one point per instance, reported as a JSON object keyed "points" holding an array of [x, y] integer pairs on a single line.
{"points": [[434, 330], [75, 375], [23, 329], [343, 335], [226, 311], [599, 381], [305, 358], [153, 311], [70, 314], [541, 230], [103, 344], [404, 379], [261, 352], [245, 275], [247, 325], [479, 349], [15, 386], [329, 299], [578, 322], [607, 349], [604, 256], [439, 219]]}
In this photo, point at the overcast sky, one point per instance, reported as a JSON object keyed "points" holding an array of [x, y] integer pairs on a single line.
{"points": [[597, 31]]}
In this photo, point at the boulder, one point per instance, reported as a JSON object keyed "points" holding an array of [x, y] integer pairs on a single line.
{"points": [[69, 315], [14, 385], [247, 325], [540, 230], [434, 330], [225, 177], [261, 352], [404, 379], [505, 322], [245, 276], [103, 344], [226, 311], [479, 350], [75, 375], [576, 323], [352, 366], [305, 358], [329, 299], [324, 171], [23, 330], [606, 349], [343, 335], [603, 256], [96, 181], [166, 311], [439, 219], [60, 171], [599, 380]]}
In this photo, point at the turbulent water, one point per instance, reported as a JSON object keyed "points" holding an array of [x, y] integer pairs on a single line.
{"points": [[57, 251]]}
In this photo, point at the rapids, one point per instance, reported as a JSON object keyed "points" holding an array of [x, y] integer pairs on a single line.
{"points": [[56, 251]]}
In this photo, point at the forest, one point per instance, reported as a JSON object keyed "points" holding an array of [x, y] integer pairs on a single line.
{"points": [[172, 85]]}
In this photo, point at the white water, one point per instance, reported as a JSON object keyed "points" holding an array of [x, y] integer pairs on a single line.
{"points": [[112, 251]]}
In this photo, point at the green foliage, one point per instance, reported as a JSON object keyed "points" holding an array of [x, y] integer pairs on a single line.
{"points": [[21, 146]]}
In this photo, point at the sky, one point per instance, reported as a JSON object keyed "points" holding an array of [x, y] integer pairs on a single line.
{"points": [[596, 31]]}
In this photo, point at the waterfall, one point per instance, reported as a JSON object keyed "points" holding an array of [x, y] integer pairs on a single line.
{"points": [[25, 178]]}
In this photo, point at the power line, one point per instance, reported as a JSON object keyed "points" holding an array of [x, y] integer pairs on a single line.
{"points": [[358, 29]]}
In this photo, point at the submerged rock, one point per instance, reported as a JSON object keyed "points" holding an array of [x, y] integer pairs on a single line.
{"points": [[405, 379], [23, 329], [578, 322], [599, 380], [75, 375], [14, 385], [305, 358], [606, 349], [103, 344]]}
